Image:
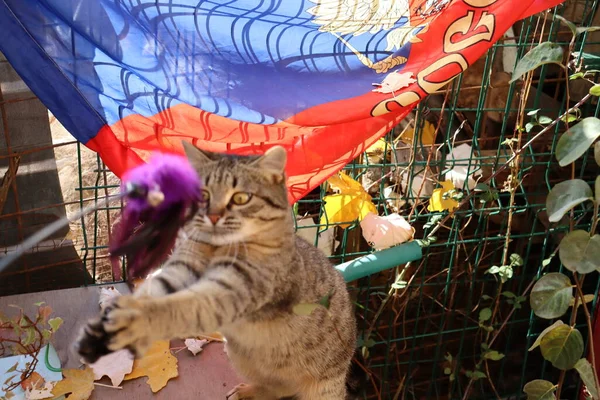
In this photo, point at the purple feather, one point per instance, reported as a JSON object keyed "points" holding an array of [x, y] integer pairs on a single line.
{"points": [[161, 196]]}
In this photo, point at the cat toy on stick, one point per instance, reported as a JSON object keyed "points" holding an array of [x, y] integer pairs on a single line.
{"points": [[160, 196], [163, 194]]}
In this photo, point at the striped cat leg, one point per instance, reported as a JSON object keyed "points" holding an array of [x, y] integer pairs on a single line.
{"points": [[228, 290], [176, 275], [331, 389]]}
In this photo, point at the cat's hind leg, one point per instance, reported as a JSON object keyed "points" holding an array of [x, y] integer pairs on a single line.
{"points": [[329, 389]]}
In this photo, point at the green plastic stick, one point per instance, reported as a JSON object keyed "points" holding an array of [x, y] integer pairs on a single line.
{"points": [[381, 260]]}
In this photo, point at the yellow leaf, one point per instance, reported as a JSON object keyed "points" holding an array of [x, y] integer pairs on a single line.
{"points": [[378, 147], [80, 383], [427, 134], [159, 365], [351, 203], [438, 203]]}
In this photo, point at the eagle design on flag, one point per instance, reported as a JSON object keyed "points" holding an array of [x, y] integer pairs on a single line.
{"points": [[405, 19]]}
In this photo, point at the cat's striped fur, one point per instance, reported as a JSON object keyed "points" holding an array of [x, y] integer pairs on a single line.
{"points": [[239, 269]]}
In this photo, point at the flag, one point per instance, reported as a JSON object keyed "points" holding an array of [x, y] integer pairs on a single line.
{"points": [[130, 77]]}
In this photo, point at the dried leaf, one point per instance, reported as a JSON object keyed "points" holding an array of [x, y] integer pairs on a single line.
{"points": [[195, 345], [427, 134], [158, 365], [386, 231], [34, 381], [55, 323], [39, 393], [438, 203], [114, 365], [44, 313], [351, 203], [395, 81], [80, 383]]}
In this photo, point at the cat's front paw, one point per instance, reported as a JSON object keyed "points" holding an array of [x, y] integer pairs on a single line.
{"points": [[122, 325]]}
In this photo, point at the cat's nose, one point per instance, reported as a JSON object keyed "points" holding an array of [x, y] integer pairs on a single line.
{"points": [[214, 218]]}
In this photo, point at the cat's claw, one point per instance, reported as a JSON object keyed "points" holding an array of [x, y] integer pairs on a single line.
{"points": [[243, 391], [122, 325]]}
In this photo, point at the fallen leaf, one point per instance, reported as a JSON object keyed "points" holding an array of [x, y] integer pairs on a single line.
{"points": [[462, 167], [43, 392], [386, 231], [426, 134], [378, 147], [114, 365], [80, 383], [351, 203], [395, 81], [159, 365], [34, 381], [106, 296], [195, 345], [437, 201]]}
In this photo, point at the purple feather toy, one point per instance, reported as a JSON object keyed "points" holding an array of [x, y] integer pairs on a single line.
{"points": [[161, 196]]}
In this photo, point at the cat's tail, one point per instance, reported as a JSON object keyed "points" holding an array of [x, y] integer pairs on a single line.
{"points": [[357, 377]]}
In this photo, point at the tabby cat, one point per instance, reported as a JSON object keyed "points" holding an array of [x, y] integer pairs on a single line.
{"points": [[238, 268]]}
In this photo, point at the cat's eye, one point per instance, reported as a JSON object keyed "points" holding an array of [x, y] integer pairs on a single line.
{"points": [[205, 196], [241, 198]]}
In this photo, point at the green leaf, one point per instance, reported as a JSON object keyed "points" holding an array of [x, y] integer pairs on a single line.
{"points": [[545, 120], [581, 30], [544, 332], [305, 308], [597, 152], [544, 53], [577, 75], [46, 334], [563, 347], [586, 372], [588, 298], [551, 295], [447, 371], [597, 188], [528, 127], [40, 303], [568, 24], [533, 112], [540, 389], [577, 140], [547, 261], [448, 357], [516, 259], [595, 90], [566, 195], [476, 375], [580, 252], [485, 314], [13, 368], [493, 355], [55, 323], [569, 118], [30, 338], [509, 295], [486, 297]]}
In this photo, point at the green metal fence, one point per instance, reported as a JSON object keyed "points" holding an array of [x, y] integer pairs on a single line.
{"points": [[419, 323]]}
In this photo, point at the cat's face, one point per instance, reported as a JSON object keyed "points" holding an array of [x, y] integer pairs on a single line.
{"points": [[242, 197]]}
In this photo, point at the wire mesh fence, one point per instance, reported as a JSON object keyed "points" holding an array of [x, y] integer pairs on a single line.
{"points": [[420, 325]]}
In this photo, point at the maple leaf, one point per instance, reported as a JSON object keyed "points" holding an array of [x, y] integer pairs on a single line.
{"points": [[159, 365], [80, 383], [114, 365], [195, 345], [34, 381], [351, 203], [438, 202], [395, 81]]}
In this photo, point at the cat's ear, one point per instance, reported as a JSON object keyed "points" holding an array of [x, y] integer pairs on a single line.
{"points": [[272, 163], [194, 155]]}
